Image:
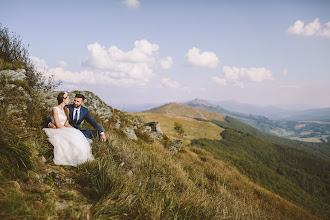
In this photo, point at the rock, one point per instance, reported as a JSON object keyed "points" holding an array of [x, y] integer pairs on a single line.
{"points": [[14, 74], [154, 129], [117, 125], [176, 144], [61, 205], [15, 185], [129, 131]]}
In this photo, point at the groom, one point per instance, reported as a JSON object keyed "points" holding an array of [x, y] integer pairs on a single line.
{"points": [[78, 113]]}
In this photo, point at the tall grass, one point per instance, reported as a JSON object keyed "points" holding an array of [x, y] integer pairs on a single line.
{"points": [[146, 181]]}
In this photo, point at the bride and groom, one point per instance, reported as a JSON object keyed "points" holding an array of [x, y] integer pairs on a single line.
{"points": [[71, 143]]}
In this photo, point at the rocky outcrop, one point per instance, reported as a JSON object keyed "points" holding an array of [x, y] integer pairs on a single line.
{"points": [[14, 74], [176, 145], [154, 129], [92, 102], [129, 131]]}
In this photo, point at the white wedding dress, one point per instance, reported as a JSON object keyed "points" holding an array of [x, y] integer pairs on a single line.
{"points": [[70, 145]]}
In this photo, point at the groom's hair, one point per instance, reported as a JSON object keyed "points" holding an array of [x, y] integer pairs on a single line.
{"points": [[80, 96], [60, 97]]}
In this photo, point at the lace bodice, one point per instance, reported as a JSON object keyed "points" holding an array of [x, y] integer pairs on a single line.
{"points": [[61, 115]]}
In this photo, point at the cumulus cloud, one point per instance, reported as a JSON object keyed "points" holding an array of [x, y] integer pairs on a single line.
{"points": [[131, 3], [205, 59], [113, 66], [62, 64], [136, 63], [219, 81], [94, 78], [39, 63], [166, 63], [166, 82], [237, 76], [310, 29]]}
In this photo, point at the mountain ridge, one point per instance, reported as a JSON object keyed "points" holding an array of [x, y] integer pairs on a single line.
{"points": [[308, 131]]}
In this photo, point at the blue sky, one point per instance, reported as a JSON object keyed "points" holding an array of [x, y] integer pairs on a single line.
{"points": [[152, 51]]}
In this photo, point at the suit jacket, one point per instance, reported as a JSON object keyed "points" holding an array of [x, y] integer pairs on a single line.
{"points": [[84, 115]]}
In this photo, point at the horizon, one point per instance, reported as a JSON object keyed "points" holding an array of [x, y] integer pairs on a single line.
{"points": [[138, 52]]}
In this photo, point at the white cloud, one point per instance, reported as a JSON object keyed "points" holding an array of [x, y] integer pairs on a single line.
{"points": [[206, 59], [170, 83], [94, 78], [136, 63], [62, 64], [247, 74], [131, 3], [219, 81], [310, 29], [39, 63], [166, 63], [237, 76]]}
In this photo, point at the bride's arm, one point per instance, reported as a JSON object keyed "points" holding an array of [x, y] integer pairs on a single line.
{"points": [[56, 119], [67, 124]]}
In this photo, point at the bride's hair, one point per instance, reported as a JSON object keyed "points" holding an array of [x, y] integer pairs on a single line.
{"points": [[60, 97]]}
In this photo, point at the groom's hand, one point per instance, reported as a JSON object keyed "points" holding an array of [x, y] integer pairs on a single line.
{"points": [[103, 138]]}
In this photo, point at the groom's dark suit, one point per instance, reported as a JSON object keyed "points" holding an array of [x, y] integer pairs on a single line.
{"points": [[84, 115]]}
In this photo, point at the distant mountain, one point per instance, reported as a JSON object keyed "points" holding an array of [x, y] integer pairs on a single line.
{"points": [[285, 167], [131, 108], [306, 130], [186, 111], [288, 112]]}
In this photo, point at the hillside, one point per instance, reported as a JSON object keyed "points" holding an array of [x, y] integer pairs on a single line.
{"points": [[193, 129], [307, 131], [186, 111], [321, 150], [280, 112], [297, 176], [269, 161], [129, 179]]}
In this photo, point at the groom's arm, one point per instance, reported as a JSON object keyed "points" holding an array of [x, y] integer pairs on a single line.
{"points": [[90, 120]]}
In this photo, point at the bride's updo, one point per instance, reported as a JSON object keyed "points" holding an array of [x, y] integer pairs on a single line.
{"points": [[60, 97]]}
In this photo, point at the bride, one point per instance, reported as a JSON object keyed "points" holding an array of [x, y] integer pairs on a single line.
{"points": [[70, 145]]}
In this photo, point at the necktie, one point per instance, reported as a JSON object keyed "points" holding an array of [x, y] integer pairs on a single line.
{"points": [[75, 115]]}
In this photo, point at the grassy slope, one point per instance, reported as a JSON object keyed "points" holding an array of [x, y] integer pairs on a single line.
{"points": [[319, 149], [186, 111], [295, 175], [154, 183], [193, 129]]}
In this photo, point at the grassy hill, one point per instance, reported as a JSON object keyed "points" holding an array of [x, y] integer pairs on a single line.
{"points": [[321, 150], [193, 128], [186, 111], [303, 129], [127, 180], [295, 175]]}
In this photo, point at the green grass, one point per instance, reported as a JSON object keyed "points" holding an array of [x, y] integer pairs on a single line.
{"points": [[295, 175]]}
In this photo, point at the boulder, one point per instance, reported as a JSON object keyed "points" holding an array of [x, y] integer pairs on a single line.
{"points": [[14, 74], [129, 131], [176, 145], [154, 129]]}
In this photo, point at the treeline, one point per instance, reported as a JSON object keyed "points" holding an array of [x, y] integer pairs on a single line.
{"points": [[320, 149], [299, 177]]}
